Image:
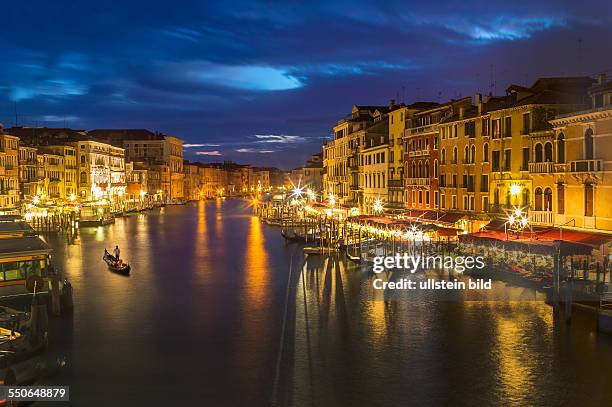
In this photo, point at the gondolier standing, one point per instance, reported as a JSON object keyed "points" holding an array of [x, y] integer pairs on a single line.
{"points": [[117, 252]]}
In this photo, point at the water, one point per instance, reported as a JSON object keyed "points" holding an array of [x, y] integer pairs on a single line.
{"points": [[204, 320]]}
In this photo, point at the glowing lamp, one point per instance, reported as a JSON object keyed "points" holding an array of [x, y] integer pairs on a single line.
{"points": [[515, 189]]}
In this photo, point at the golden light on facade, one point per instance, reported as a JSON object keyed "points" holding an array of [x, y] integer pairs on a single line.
{"points": [[378, 206], [515, 189]]}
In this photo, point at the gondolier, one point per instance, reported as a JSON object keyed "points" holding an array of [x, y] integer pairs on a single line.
{"points": [[117, 252]]}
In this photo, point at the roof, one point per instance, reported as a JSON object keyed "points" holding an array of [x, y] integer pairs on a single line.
{"points": [[31, 245], [124, 134], [19, 227]]}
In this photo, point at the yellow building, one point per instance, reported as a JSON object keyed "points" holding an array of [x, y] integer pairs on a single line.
{"points": [[53, 170], [70, 185], [9, 175], [573, 184], [28, 172], [101, 171], [518, 131], [192, 181], [374, 162]]}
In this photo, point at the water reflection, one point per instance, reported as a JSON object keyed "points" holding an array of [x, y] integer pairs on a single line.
{"points": [[201, 321]]}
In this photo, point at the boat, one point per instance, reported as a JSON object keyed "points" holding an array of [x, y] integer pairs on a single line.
{"points": [[114, 265]]}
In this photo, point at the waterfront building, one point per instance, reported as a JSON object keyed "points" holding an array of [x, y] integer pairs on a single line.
{"points": [[9, 171], [374, 161], [53, 175], [519, 136], [69, 184], [341, 170], [572, 166], [162, 152], [28, 172], [422, 163], [214, 180], [260, 180], [192, 181], [101, 169]]}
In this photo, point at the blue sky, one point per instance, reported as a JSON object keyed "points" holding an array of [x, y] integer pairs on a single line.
{"points": [[264, 82]]}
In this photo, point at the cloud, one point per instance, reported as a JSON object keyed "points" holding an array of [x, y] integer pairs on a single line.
{"points": [[212, 153], [183, 33], [254, 150], [247, 77], [53, 118], [188, 145], [278, 138], [505, 28]]}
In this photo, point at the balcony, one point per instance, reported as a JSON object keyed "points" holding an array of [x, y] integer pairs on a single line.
{"points": [[429, 128], [419, 153], [586, 166], [541, 217], [547, 168], [417, 181], [395, 183]]}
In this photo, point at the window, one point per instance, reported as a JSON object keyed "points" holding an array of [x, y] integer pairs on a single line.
{"points": [[485, 203], [508, 127], [507, 159], [525, 164], [561, 148], [588, 199], [495, 156], [484, 183], [454, 202], [436, 199], [588, 144], [538, 199], [443, 156], [443, 201], [548, 153], [485, 153], [473, 156], [82, 159], [526, 123], [561, 199], [435, 168], [454, 156]]}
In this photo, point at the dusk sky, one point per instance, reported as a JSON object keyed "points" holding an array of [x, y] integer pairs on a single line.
{"points": [[264, 83]]}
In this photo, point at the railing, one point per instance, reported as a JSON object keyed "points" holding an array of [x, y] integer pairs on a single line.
{"points": [[419, 153], [395, 183], [417, 181], [547, 167], [541, 217], [586, 166], [421, 129]]}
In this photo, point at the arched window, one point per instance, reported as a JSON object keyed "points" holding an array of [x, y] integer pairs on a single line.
{"points": [[443, 156], [548, 199], [83, 178], [538, 153], [466, 155], [588, 144], [485, 153], [426, 169], [473, 157], [414, 171], [435, 168], [455, 155], [420, 169], [538, 199], [548, 153], [560, 148]]}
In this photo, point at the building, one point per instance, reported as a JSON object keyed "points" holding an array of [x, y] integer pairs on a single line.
{"points": [[260, 180], [52, 187], [192, 181], [161, 152], [101, 169], [69, 184], [374, 160], [28, 172], [571, 168], [9, 171], [422, 161], [341, 170]]}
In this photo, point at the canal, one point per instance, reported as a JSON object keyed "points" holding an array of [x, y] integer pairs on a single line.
{"points": [[219, 310]]}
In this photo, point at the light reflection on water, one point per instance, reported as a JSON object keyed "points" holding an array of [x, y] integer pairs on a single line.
{"points": [[200, 319]]}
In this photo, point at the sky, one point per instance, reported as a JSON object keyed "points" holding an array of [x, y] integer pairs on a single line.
{"points": [[265, 82]]}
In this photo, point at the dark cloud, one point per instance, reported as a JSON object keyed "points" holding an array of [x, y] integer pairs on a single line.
{"points": [[265, 82]]}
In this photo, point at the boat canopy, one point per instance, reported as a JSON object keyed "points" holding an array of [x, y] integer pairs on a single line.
{"points": [[23, 246]]}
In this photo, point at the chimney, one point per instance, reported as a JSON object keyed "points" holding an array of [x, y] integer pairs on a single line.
{"points": [[461, 112], [477, 98], [601, 78]]}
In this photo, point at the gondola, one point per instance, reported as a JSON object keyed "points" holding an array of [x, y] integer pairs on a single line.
{"points": [[114, 265]]}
